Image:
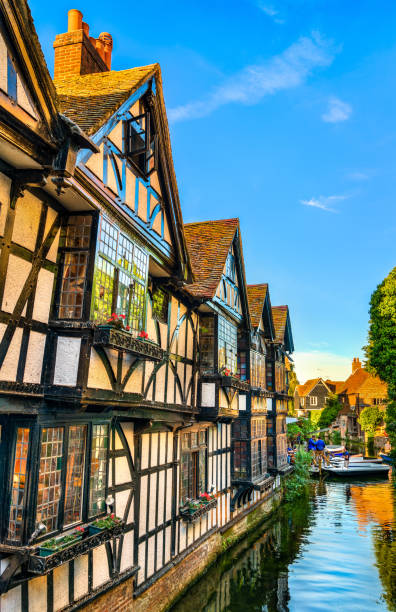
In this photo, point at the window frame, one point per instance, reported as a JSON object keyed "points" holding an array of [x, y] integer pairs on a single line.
{"points": [[150, 147], [29, 520], [313, 400], [227, 322], [193, 452]]}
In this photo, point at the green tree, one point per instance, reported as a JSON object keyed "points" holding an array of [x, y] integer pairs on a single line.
{"points": [[293, 382], [370, 418], [330, 412], [381, 348]]}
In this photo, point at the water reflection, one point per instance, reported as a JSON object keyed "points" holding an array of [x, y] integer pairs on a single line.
{"points": [[335, 551]]}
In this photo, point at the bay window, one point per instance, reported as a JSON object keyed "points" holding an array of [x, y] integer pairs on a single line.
{"points": [[257, 370], [227, 337], [120, 278], [258, 448], [193, 459], [69, 477], [240, 449]]}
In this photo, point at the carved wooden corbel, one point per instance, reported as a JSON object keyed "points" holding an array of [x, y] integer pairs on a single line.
{"points": [[26, 178]]}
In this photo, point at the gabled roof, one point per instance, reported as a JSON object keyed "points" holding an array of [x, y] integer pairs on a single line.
{"points": [[256, 297], [335, 385], [260, 308], [309, 386], [208, 243], [91, 99], [373, 386], [281, 318]]}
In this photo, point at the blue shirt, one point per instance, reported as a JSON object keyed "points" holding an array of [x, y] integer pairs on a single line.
{"points": [[320, 445], [311, 444]]}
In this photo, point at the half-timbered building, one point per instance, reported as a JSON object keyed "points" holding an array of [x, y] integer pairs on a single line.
{"points": [[121, 331]]}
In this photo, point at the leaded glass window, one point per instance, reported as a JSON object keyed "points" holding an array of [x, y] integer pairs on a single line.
{"points": [[49, 487], [18, 486], [240, 456], [75, 255], [120, 278], [227, 345], [207, 345], [160, 305], [193, 464], [257, 370], [98, 470], [75, 473]]}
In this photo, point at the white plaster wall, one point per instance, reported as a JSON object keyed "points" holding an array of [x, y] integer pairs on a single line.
{"points": [[80, 577], [100, 566], [208, 394], [3, 64], [154, 449], [66, 364], [130, 189], [37, 593], [150, 556], [162, 445], [167, 544], [97, 375], [23, 98], [61, 586], [116, 135], [95, 163], [127, 551], [148, 371], [141, 562], [134, 384], [168, 509], [161, 495], [142, 202], [121, 500], [242, 402], [34, 357], [122, 472], [143, 505], [128, 430], [9, 368], [152, 500], [5, 184], [160, 384], [183, 536], [11, 601], [17, 273], [145, 451], [52, 253], [27, 219], [43, 297], [169, 456]]}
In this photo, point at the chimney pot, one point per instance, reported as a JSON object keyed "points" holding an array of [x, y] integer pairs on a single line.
{"points": [[85, 27], [74, 21], [100, 48], [107, 40], [356, 364]]}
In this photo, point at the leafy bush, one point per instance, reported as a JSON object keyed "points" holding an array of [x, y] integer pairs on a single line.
{"points": [[297, 484], [336, 437], [370, 418], [330, 412]]}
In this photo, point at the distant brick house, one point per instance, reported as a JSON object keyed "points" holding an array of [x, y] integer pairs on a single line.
{"points": [[311, 396]]}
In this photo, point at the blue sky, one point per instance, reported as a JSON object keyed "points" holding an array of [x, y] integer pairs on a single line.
{"points": [[281, 113]]}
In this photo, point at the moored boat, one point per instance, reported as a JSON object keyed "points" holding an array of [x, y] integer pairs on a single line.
{"points": [[357, 469]]}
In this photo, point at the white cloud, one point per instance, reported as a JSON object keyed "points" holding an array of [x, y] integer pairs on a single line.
{"points": [[323, 202], [271, 12], [315, 364], [337, 111], [358, 176], [289, 69]]}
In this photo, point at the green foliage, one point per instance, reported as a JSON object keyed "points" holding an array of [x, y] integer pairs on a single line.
{"points": [[336, 437], [381, 348], [314, 417], [370, 418], [297, 484], [293, 382], [330, 412], [302, 427]]}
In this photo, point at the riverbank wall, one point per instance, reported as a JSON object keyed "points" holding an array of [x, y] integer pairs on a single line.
{"points": [[184, 571]]}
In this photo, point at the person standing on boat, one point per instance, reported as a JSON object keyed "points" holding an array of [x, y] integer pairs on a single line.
{"points": [[312, 444], [320, 454]]}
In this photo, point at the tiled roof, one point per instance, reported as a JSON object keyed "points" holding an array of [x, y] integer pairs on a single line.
{"points": [[354, 381], [279, 315], [373, 387], [91, 99], [208, 243], [335, 385], [307, 387], [256, 295]]}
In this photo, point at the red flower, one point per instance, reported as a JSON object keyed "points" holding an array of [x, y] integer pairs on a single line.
{"points": [[123, 316], [114, 315], [127, 327], [112, 515]]}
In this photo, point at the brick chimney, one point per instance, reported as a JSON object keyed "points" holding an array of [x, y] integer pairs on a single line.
{"points": [[76, 52], [356, 364]]}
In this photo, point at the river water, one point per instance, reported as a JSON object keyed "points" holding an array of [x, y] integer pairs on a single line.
{"points": [[335, 550]]}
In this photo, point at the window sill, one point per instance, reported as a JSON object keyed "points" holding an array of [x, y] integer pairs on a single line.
{"points": [[41, 565], [106, 335], [189, 516]]}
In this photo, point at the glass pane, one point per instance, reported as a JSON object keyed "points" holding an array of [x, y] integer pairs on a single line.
{"points": [[73, 285], [75, 473], [202, 471], [98, 472], [227, 345], [78, 231], [185, 476], [49, 486], [18, 485], [240, 460], [103, 290]]}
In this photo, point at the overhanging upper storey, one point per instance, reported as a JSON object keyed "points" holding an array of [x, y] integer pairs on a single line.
{"points": [[124, 114]]}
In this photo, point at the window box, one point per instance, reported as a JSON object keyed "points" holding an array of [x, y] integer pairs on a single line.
{"points": [[109, 336], [234, 382], [193, 510], [57, 544], [39, 564]]}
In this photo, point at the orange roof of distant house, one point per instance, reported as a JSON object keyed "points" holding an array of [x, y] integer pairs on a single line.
{"points": [[307, 387], [208, 244], [336, 385], [354, 381], [256, 295], [373, 387], [279, 315]]}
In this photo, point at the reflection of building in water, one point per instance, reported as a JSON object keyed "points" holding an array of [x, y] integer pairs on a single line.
{"points": [[373, 503], [376, 503]]}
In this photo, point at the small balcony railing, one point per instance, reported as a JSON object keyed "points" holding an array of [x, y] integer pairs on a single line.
{"points": [[119, 339]]}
